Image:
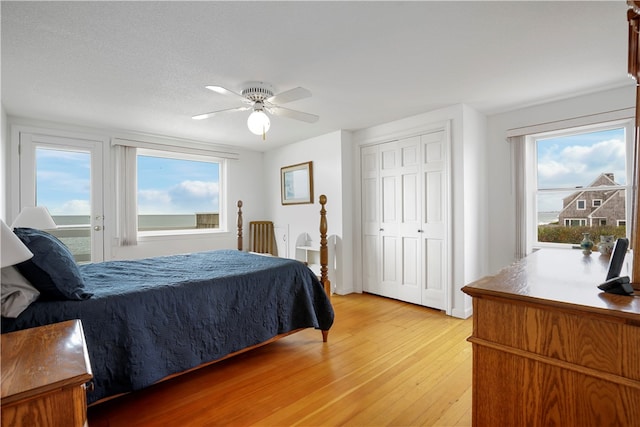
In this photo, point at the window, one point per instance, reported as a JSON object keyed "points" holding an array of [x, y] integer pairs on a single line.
{"points": [[579, 179], [63, 186], [177, 191], [575, 222]]}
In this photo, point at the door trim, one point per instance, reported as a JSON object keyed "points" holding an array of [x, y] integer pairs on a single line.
{"points": [[14, 173]]}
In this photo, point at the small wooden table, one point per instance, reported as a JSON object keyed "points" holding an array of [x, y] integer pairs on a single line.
{"points": [[44, 373]]}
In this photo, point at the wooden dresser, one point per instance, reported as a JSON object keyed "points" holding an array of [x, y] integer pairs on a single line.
{"points": [[549, 348], [44, 372]]}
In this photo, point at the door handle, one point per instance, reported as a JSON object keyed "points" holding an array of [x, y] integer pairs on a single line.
{"points": [[97, 228]]}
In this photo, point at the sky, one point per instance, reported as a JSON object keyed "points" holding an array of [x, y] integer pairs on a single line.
{"points": [[165, 186], [170, 186], [576, 161]]}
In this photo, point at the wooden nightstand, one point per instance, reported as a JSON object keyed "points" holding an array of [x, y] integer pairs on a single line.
{"points": [[44, 372]]}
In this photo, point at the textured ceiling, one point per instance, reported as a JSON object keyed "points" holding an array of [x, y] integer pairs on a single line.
{"points": [[143, 66]]}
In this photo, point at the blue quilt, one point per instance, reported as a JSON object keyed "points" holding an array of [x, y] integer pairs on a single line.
{"points": [[155, 317]]}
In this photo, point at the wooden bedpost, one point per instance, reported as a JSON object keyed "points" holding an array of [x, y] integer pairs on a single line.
{"points": [[324, 255], [239, 225], [324, 251]]}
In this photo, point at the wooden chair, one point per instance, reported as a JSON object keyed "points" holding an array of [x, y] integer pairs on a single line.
{"points": [[262, 238]]}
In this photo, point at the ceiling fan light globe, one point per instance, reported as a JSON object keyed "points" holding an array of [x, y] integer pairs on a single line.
{"points": [[258, 123]]}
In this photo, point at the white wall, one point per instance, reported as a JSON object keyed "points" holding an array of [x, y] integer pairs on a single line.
{"points": [[474, 208], [4, 161], [501, 197], [331, 177], [468, 183]]}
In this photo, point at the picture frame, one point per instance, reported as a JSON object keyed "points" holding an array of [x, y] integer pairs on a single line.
{"points": [[296, 184]]}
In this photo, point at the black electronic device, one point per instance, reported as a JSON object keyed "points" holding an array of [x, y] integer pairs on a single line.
{"points": [[614, 283], [617, 258], [617, 285]]}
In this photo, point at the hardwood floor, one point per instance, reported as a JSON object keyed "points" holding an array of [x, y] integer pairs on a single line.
{"points": [[386, 363]]}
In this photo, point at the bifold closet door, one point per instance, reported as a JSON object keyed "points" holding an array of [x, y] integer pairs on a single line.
{"points": [[391, 219], [435, 204], [404, 219]]}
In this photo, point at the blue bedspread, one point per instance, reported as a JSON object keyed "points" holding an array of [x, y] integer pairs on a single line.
{"points": [[154, 317]]}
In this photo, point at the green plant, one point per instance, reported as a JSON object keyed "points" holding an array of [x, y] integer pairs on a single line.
{"points": [[554, 233]]}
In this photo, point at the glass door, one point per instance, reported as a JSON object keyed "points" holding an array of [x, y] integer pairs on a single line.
{"points": [[65, 176]]}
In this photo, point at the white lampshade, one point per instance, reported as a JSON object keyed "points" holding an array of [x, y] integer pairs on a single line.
{"points": [[258, 122], [12, 250], [37, 217]]}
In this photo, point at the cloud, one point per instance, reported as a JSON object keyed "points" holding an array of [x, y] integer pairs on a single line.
{"points": [[187, 197], [579, 165], [72, 207], [52, 180], [77, 158]]}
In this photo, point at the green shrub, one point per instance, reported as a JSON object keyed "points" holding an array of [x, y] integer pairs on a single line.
{"points": [[554, 233]]}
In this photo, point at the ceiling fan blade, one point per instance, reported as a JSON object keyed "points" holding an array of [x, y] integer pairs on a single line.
{"points": [[289, 96], [213, 113], [223, 91], [293, 114]]}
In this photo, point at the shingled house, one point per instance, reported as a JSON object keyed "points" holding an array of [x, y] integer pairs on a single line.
{"points": [[594, 208]]}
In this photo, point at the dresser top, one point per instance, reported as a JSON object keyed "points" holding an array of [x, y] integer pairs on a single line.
{"points": [[41, 359], [561, 277]]}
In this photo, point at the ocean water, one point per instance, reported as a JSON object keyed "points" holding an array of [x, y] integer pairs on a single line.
{"points": [[547, 217], [78, 240], [145, 222]]}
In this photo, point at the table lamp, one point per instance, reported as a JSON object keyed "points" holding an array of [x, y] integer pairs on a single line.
{"points": [[12, 250], [37, 217], [17, 293]]}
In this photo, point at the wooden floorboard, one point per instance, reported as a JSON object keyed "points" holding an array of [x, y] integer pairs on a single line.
{"points": [[387, 363]]}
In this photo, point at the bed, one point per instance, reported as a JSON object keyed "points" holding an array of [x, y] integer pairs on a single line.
{"points": [[151, 319]]}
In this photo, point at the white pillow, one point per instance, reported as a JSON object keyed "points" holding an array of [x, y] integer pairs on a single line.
{"points": [[17, 293]]}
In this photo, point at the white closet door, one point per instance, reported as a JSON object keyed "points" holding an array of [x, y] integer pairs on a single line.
{"points": [[370, 172], [391, 219], [435, 218], [390, 199], [409, 220], [405, 212]]}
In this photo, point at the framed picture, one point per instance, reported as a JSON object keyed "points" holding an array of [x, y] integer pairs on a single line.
{"points": [[296, 184]]}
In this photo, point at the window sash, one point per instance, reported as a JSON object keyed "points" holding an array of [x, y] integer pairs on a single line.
{"points": [[127, 187], [524, 182]]}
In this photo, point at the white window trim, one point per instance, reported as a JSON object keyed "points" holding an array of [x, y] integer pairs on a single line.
{"points": [[584, 205], [222, 162], [593, 203], [524, 176], [188, 151]]}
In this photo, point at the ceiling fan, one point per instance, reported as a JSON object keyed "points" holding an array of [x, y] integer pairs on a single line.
{"points": [[259, 97]]}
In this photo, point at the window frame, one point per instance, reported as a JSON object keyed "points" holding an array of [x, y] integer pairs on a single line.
{"points": [[222, 217], [531, 178], [582, 222]]}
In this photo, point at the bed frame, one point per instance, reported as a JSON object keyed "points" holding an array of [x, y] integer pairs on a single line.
{"points": [[324, 279], [324, 249]]}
